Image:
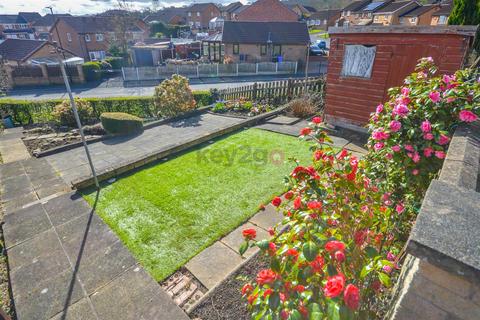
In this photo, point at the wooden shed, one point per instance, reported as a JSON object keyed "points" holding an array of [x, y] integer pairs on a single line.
{"points": [[365, 61]]}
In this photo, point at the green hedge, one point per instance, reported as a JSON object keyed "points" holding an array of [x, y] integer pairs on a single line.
{"points": [[38, 111], [91, 70], [121, 123]]}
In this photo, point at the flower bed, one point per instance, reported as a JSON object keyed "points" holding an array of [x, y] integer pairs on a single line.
{"points": [[348, 219], [242, 108]]}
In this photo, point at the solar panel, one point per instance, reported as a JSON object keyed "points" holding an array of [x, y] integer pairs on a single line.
{"points": [[373, 6]]}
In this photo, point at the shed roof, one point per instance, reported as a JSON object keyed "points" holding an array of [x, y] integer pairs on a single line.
{"points": [[19, 49], [261, 32]]}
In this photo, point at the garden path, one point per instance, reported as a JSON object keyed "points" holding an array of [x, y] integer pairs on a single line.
{"points": [[64, 261], [11, 145]]}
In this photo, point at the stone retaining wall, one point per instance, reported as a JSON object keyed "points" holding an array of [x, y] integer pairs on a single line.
{"points": [[440, 278]]}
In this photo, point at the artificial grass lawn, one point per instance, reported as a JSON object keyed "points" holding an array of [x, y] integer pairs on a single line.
{"points": [[168, 212]]}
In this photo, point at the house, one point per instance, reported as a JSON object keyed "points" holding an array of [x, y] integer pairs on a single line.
{"points": [[14, 26], [364, 15], [44, 25], [268, 11], [22, 51], [420, 16], [172, 16], [440, 17], [323, 19], [246, 41], [229, 12], [90, 37], [347, 16], [390, 14], [200, 14], [302, 11]]}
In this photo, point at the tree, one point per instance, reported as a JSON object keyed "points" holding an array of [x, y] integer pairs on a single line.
{"points": [[466, 12], [123, 18]]}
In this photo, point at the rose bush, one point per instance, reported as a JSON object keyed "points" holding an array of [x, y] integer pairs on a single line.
{"points": [[345, 220]]}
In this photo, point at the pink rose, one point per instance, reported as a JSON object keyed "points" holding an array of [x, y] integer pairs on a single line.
{"points": [[378, 146], [451, 99], [409, 147], [443, 140], [405, 91], [380, 108], [387, 269], [447, 79], [399, 207], [415, 172], [426, 126], [427, 152], [400, 109], [389, 156], [467, 116], [428, 136], [390, 256], [380, 134], [434, 96], [416, 157], [396, 148], [440, 154], [395, 125]]}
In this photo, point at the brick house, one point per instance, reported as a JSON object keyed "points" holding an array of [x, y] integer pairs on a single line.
{"points": [[229, 12], [200, 14], [90, 37], [347, 14], [324, 18], [440, 17], [268, 11], [420, 16], [21, 51], [390, 14], [43, 25], [245, 41], [18, 26]]}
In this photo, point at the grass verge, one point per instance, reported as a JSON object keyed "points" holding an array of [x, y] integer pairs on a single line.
{"points": [[168, 212]]}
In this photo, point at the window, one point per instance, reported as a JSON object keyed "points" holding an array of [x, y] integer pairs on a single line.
{"points": [[442, 20], [358, 61], [189, 14], [87, 37], [69, 37], [413, 20], [96, 55], [236, 48], [263, 49], [205, 48], [325, 22], [198, 14], [99, 37], [277, 50]]}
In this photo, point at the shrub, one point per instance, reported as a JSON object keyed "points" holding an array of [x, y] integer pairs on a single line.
{"points": [[173, 96], [115, 62], [91, 70], [306, 105], [63, 112], [104, 65], [38, 111], [121, 123]]}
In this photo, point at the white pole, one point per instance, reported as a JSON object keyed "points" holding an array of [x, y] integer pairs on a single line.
{"points": [[138, 76], [237, 69], [123, 73]]}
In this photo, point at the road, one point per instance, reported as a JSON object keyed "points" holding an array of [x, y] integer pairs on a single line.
{"points": [[116, 89]]}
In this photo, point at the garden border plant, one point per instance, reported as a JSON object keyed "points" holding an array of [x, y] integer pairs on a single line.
{"points": [[347, 219]]}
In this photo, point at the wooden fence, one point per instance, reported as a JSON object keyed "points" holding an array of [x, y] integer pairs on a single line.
{"points": [[281, 91]]}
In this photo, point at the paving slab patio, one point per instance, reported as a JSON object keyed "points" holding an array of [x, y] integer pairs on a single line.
{"points": [[12, 147], [64, 261], [71, 165]]}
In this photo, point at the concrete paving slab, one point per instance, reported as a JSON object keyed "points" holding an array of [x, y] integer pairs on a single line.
{"points": [[18, 203], [235, 238], [136, 297], [213, 264], [24, 224], [283, 120], [66, 207], [267, 218], [81, 310]]}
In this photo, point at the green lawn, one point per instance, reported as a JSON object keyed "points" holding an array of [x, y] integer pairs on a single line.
{"points": [[168, 212]]}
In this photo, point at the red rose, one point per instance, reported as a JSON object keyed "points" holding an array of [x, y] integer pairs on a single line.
{"points": [[292, 252], [277, 201], [249, 234], [247, 288], [317, 120], [332, 246], [297, 203], [340, 256], [267, 293], [315, 205], [266, 276], [342, 154], [317, 264], [334, 286], [299, 288], [351, 297], [305, 131], [272, 248], [289, 195]]}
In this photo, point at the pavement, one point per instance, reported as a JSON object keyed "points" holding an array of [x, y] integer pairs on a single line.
{"points": [[116, 88], [12, 147]]}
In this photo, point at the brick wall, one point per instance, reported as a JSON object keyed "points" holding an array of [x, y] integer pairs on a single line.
{"points": [[440, 277], [289, 53]]}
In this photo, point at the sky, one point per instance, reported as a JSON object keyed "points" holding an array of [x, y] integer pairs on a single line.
{"points": [[84, 6]]}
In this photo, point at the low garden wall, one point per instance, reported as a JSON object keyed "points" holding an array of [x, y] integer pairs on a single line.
{"points": [[440, 278], [27, 112]]}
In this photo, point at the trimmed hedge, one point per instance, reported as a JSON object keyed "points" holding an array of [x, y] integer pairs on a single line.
{"points": [[38, 111], [91, 70], [121, 123]]}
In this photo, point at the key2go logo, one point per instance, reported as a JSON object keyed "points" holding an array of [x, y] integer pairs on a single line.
{"points": [[241, 155]]}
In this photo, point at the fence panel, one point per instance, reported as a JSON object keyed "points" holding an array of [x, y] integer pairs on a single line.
{"points": [[207, 70], [286, 67], [187, 70], [27, 71], [147, 73], [227, 69], [247, 68], [129, 73], [267, 67]]}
